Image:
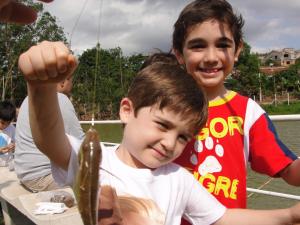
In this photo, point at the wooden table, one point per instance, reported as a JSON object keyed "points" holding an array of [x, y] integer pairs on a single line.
{"points": [[18, 204]]}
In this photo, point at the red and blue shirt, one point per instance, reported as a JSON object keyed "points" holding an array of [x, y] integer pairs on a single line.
{"points": [[238, 131]]}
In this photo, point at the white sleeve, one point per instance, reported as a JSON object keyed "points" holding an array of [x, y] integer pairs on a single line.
{"points": [[61, 176], [202, 207]]}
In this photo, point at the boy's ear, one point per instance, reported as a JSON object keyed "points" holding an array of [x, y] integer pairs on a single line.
{"points": [[179, 56], [126, 110], [238, 51]]}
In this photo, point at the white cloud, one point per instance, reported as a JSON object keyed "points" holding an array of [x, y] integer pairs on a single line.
{"points": [[139, 26]]}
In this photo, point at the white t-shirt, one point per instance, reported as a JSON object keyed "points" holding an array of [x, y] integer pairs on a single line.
{"points": [[10, 130], [171, 187]]}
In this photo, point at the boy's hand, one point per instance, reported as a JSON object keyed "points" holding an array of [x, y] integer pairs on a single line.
{"points": [[47, 62], [8, 148]]}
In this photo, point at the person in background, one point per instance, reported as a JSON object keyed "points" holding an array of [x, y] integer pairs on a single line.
{"points": [[7, 130], [12, 11], [32, 167]]}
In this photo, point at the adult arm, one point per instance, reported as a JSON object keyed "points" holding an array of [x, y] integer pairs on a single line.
{"points": [[43, 66], [16, 12]]}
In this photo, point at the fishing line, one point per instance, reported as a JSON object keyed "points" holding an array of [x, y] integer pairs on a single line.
{"points": [[76, 22], [97, 65], [97, 58], [73, 30], [261, 186]]}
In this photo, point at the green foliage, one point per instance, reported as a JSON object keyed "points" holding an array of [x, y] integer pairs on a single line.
{"points": [[245, 78], [102, 79], [16, 39]]}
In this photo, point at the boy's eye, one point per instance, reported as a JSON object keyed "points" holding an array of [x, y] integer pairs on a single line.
{"points": [[197, 46], [162, 125], [184, 139], [223, 45]]}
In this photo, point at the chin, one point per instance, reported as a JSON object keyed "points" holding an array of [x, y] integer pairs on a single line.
{"points": [[154, 165]]}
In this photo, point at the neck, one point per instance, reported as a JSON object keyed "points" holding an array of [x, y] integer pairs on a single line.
{"points": [[215, 93], [125, 156]]}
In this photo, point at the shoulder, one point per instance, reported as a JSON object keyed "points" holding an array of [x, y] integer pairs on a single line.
{"points": [[177, 171], [108, 150], [254, 110], [240, 98], [10, 128]]}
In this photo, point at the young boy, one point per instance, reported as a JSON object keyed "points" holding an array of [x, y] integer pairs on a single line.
{"points": [[161, 113], [7, 130], [207, 40]]}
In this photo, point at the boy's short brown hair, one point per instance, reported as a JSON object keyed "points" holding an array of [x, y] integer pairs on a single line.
{"points": [[169, 86], [161, 57], [200, 11]]}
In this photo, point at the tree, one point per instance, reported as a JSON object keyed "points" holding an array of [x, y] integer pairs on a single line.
{"points": [[245, 76], [16, 39], [102, 79]]}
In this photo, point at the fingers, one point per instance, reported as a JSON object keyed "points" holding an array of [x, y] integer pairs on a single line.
{"points": [[48, 62]]}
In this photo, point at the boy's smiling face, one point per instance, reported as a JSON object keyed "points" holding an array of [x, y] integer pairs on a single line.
{"points": [[209, 53], [153, 137]]}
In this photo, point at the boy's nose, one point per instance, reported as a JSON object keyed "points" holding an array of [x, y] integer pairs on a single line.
{"points": [[169, 142], [210, 55]]}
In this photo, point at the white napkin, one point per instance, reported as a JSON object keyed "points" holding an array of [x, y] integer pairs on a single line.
{"points": [[44, 208]]}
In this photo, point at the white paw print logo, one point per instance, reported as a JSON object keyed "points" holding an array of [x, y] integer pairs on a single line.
{"points": [[211, 163]]}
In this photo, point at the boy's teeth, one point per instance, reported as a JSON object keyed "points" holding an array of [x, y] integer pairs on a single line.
{"points": [[211, 70]]}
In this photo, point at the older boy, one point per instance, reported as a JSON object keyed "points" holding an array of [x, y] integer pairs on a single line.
{"points": [[163, 109], [207, 40]]}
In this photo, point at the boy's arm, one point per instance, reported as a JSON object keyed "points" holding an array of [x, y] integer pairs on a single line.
{"points": [[291, 174], [43, 66], [260, 217]]}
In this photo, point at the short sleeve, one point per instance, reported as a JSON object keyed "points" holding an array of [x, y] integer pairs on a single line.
{"points": [[61, 176]]}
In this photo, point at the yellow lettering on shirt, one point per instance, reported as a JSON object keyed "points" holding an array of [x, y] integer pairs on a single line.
{"points": [[233, 123], [220, 185]]}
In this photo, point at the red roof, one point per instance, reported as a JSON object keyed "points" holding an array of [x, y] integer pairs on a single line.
{"points": [[271, 70]]}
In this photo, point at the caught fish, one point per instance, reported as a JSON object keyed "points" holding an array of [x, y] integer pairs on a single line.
{"points": [[87, 186]]}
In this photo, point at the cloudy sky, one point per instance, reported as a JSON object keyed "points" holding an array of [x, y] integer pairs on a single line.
{"points": [[140, 26]]}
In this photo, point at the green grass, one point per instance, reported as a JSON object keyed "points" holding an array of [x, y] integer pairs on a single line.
{"points": [[108, 132], [283, 108]]}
